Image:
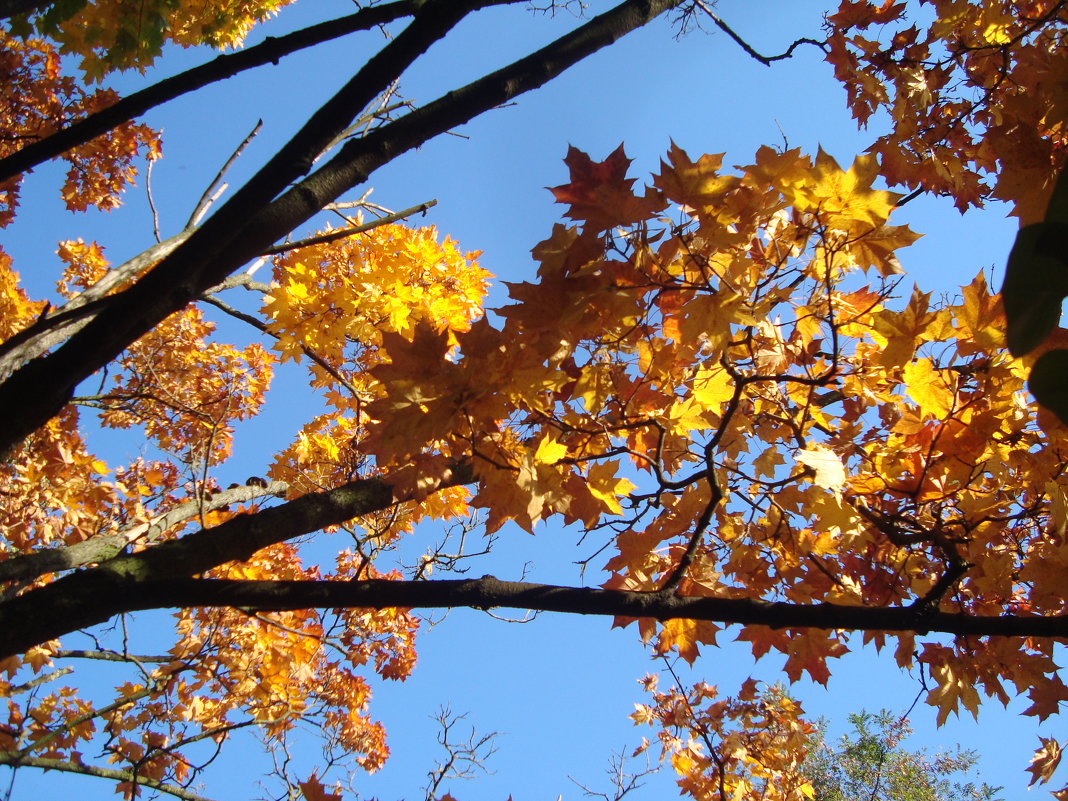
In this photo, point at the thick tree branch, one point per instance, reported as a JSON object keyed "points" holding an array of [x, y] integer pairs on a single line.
{"points": [[226, 66], [95, 595], [12, 8], [488, 592], [357, 159], [99, 549]]}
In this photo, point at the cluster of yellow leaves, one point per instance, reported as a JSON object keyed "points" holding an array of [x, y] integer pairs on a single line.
{"points": [[333, 306], [183, 388], [977, 99], [747, 747], [36, 99], [283, 668]]}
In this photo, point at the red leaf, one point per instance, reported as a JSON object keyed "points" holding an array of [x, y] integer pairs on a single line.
{"points": [[600, 194]]}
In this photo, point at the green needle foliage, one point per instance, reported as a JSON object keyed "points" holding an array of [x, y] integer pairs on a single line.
{"points": [[872, 763]]}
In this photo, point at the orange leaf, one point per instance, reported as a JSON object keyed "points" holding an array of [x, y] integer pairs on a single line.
{"points": [[313, 790]]}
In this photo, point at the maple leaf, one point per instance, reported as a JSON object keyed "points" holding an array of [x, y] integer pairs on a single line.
{"points": [[878, 248], [683, 635], [1045, 760], [810, 653], [843, 199], [600, 193], [314, 790], [829, 472], [862, 13], [695, 185]]}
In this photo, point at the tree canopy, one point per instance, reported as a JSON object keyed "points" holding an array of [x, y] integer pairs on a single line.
{"points": [[712, 376]]}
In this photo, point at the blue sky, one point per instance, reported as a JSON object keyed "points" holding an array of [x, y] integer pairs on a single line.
{"points": [[559, 688]]}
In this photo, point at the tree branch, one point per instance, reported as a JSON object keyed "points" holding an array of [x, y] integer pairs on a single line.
{"points": [[16, 760], [98, 593], [102, 548], [226, 66], [342, 233], [489, 592]]}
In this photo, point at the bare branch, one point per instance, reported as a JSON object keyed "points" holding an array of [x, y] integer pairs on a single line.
{"points": [[767, 61], [210, 194], [342, 233], [112, 656], [44, 678]]}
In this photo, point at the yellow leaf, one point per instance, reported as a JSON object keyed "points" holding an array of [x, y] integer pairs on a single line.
{"points": [[844, 200], [605, 487], [829, 470], [549, 451], [927, 386], [712, 387]]}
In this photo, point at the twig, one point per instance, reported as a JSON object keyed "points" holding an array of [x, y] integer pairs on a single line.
{"points": [[259, 325], [152, 200], [210, 194], [765, 60], [42, 679], [342, 233]]}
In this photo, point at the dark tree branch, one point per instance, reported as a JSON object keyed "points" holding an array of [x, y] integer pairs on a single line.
{"points": [[13, 8], [205, 258], [243, 227], [98, 593], [106, 596], [227, 66], [488, 592], [99, 549]]}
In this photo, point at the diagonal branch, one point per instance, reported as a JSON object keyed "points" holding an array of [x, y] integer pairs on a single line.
{"points": [[226, 66], [101, 548], [98, 593], [342, 233], [14, 759]]}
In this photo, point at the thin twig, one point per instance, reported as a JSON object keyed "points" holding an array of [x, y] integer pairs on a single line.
{"points": [[259, 325], [210, 194], [152, 200], [342, 233], [765, 60], [39, 680]]}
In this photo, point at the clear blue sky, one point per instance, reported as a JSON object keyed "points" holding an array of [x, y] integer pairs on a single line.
{"points": [[560, 688]]}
